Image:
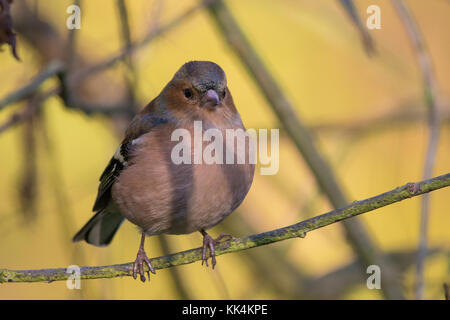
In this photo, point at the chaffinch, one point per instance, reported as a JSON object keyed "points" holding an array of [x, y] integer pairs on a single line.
{"points": [[143, 184]]}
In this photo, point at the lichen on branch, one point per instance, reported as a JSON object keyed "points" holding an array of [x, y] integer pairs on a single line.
{"points": [[293, 231]]}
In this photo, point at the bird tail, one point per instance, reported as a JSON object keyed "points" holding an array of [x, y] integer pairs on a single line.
{"points": [[100, 229]]}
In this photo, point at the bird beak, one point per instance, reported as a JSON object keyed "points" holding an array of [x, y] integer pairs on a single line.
{"points": [[211, 98]]}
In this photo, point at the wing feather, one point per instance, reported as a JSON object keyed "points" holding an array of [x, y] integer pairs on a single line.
{"points": [[140, 125]]}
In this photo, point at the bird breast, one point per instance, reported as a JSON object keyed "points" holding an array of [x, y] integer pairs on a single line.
{"points": [[161, 196]]}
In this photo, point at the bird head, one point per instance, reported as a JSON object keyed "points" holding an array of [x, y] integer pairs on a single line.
{"points": [[203, 83], [201, 87]]}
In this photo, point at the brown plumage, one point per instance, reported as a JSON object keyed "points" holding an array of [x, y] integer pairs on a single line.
{"points": [[143, 184]]}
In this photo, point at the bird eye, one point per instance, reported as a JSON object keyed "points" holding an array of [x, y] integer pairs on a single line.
{"points": [[188, 93], [224, 93]]}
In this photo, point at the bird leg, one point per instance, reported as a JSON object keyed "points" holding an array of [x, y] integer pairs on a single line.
{"points": [[209, 242], [139, 263]]}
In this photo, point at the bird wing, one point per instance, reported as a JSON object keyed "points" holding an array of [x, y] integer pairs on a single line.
{"points": [[109, 175], [141, 124]]}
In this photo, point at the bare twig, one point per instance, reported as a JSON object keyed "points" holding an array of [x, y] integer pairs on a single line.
{"points": [[264, 262], [365, 36], [406, 115], [71, 43], [340, 281], [131, 48], [431, 99], [18, 117], [74, 102], [131, 78], [51, 70], [325, 177], [177, 279], [446, 291], [14, 119], [49, 45], [58, 68], [293, 231], [30, 109], [29, 174]]}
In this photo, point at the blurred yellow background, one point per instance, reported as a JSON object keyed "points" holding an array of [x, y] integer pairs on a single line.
{"points": [[316, 55]]}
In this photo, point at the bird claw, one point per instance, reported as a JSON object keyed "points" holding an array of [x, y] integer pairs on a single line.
{"points": [[209, 242], [139, 264], [222, 236]]}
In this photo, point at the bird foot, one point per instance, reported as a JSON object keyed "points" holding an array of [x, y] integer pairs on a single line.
{"points": [[209, 242], [139, 264], [226, 236]]}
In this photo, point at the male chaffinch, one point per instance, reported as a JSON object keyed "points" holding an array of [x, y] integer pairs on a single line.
{"points": [[143, 184]]}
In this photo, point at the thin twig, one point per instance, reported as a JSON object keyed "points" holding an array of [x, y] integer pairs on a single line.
{"points": [[431, 100], [71, 52], [74, 102], [405, 115], [88, 109], [264, 262], [51, 70], [58, 68], [131, 77], [49, 45], [446, 291], [357, 236], [131, 49], [293, 231], [366, 39], [28, 176], [177, 279], [30, 109], [340, 281]]}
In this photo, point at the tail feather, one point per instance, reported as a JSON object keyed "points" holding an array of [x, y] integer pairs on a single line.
{"points": [[100, 229]]}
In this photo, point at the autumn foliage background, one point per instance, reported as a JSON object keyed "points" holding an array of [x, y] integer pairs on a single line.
{"points": [[367, 114]]}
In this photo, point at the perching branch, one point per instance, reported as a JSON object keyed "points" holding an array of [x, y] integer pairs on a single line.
{"points": [[357, 236], [293, 231]]}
